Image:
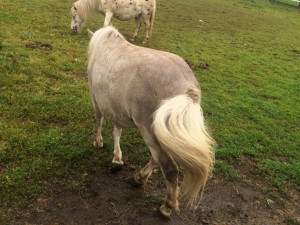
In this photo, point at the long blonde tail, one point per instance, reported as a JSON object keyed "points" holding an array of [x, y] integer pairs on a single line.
{"points": [[152, 17], [179, 127]]}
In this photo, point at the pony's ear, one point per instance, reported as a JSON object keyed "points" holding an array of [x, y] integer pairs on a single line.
{"points": [[90, 33]]}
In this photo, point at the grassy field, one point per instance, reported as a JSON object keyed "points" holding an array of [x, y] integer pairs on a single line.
{"points": [[251, 87]]}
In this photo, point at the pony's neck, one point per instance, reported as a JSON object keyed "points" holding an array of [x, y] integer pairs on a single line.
{"points": [[87, 6], [100, 38]]}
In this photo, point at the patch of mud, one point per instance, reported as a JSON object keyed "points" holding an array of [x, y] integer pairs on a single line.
{"points": [[191, 65], [203, 66], [79, 75], [107, 198], [40, 45]]}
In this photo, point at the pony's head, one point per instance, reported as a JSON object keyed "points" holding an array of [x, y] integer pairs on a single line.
{"points": [[77, 18]]}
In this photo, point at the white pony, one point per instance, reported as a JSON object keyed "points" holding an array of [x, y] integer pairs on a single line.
{"points": [[157, 93], [120, 9]]}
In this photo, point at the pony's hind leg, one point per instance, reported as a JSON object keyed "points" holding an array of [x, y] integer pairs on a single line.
{"points": [[117, 131], [170, 172], [138, 25], [169, 169], [142, 177]]}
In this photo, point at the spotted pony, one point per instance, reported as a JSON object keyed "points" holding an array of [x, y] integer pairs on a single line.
{"points": [[120, 9]]}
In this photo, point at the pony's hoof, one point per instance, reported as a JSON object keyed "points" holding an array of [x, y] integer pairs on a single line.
{"points": [[132, 39], [165, 211], [117, 161], [145, 41], [97, 144], [134, 181]]}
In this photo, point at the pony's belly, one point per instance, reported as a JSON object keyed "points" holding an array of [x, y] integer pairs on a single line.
{"points": [[122, 121], [120, 118], [125, 122], [127, 13]]}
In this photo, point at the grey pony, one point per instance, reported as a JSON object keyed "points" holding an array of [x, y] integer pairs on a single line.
{"points": [[157, 93]]}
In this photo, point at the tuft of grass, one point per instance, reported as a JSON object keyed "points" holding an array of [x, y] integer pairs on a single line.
{"points": [[226, 171], [286, 170]]}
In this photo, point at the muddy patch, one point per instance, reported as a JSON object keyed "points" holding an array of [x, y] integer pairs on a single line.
{"points": [[38, 44], [191, 65], [79, 75], [203, 66], [107, 198]]}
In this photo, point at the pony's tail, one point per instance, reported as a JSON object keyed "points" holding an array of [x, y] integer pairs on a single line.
{"points": [[179, 127], [152, 17]]}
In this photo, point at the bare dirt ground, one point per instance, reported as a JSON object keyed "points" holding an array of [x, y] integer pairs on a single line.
{"points": [[106, 198]]}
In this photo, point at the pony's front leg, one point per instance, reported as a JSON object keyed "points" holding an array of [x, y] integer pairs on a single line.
{"points": [[138, 25], [98, 123], [108, 16], [117, 131]]}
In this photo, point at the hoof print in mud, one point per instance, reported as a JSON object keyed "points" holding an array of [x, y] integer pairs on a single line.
{"points": [[116, 167]]}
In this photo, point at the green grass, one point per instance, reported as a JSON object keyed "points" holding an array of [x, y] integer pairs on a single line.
{"points": [[250, 90], [287, 3]]}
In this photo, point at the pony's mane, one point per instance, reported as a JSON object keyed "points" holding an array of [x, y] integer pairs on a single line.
{"points": [[100, 37], [85, 6]]}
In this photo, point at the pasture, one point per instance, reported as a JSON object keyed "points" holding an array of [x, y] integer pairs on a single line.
{"points": [[245, 55]]}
